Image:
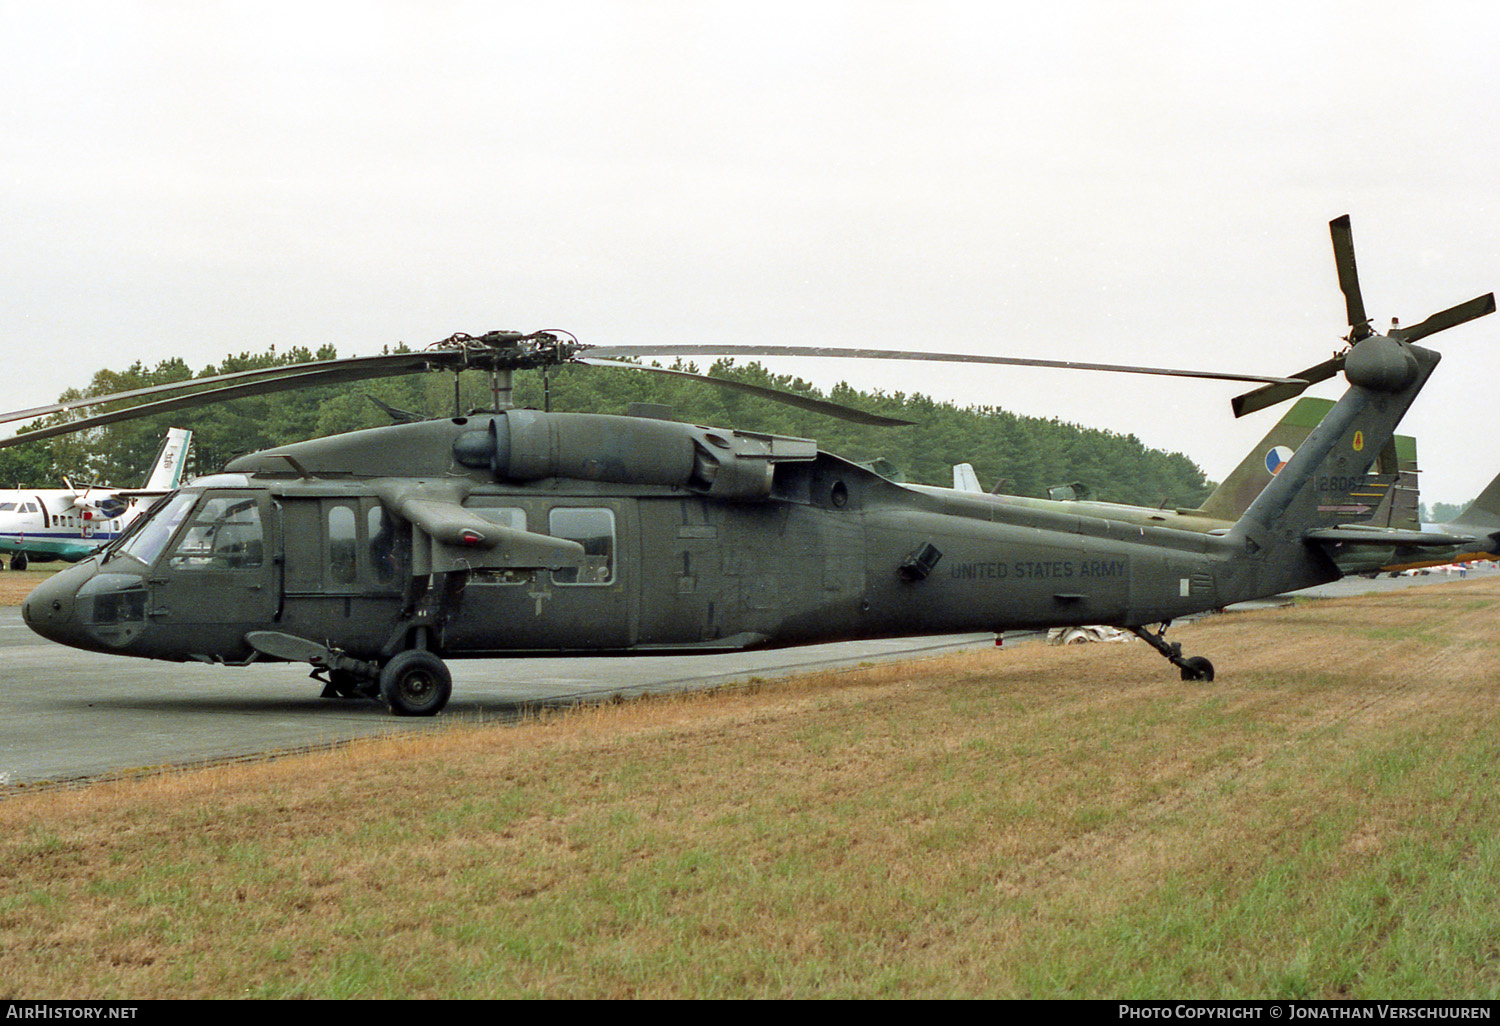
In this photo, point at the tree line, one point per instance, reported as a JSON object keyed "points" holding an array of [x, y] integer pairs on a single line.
{"points": [[1024, 455]]}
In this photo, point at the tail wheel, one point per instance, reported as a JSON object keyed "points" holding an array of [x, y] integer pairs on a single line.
{"points": [[1197, 668], [415, 683]]}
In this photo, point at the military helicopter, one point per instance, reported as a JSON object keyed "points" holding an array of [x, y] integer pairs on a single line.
{"points": [[374, 556]]}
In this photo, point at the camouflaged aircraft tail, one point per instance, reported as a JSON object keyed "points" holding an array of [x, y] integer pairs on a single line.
{"points": [[1326, 484], [1393, 476], [1483, 512]]}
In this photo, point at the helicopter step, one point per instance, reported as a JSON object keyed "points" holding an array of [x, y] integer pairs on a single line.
{"points": [[1192, 667]]}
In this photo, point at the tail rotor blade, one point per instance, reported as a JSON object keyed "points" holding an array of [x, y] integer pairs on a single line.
{"points": [[1343, 256], [1270, 395], [1451, 317]]}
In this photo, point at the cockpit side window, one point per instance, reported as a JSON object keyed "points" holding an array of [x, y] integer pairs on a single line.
{"points": [[225, 534]]}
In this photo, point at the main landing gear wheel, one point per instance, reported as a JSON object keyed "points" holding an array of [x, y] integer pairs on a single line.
{"points": [[415, 683]]}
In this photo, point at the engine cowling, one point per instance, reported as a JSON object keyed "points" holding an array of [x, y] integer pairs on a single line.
{"points": [[528, 445], [531, 445]]}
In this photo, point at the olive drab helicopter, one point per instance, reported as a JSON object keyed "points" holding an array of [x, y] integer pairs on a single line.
{"points": [[374, 556]]}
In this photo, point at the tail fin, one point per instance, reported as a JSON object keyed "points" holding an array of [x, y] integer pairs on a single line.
{"points": [[1391, 493], [166, 474], [964, 478], [1401, 509], [1483, 512], [1325, 482], [1230, 500]]}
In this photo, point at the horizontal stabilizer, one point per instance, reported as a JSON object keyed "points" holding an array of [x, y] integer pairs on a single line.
{"points": [[1387, 538]]}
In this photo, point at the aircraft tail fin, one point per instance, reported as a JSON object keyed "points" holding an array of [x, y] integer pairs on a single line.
{"points": [[1394, 471], [964, 478], [1237, 491], [1401, 510], [1327, 481], [166, 473], [1484, 511]]}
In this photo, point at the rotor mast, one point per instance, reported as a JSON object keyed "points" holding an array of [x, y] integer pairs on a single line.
{"points": [[502, 388]]}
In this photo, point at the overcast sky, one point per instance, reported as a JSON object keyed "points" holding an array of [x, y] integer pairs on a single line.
{"points": [[1135, 182]]}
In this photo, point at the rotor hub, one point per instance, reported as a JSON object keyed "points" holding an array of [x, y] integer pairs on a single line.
{"points": [[1381, 364], [510, 350]]}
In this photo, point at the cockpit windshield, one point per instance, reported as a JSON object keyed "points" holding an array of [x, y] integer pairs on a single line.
{"points": [[155, 529]]}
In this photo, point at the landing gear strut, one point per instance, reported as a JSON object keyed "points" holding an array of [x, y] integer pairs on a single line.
{"points": [[1192, 667]]}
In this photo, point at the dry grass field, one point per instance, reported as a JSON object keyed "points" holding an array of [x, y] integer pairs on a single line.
{"points": [[16, 586], [1031, 822]]}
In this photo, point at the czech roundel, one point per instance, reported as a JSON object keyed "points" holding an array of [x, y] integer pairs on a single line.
{"points": [[1276, 458]]}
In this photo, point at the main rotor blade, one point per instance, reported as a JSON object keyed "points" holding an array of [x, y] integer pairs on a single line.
{"points": [[1448, 318], [386, 363], [1270, 395], [889, 354], [1343, 257], [823, 406], [330, 372]]}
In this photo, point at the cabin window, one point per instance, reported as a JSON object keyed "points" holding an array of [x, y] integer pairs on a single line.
{"points": [[342, 545], [594, 529], [225, 534], [7, 507], [381, 530], [514, 518]]}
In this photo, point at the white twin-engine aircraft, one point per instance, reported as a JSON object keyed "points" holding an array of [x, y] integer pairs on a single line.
{"points": [[46, 524]]}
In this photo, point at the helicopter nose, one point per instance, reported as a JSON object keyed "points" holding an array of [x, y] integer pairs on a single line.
{"points": [[51, 607]]}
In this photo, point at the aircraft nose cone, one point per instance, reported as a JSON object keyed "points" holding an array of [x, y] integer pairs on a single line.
{"points": [[50, 608]]}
